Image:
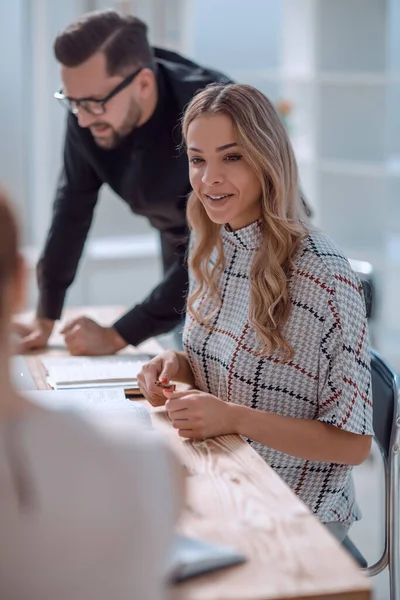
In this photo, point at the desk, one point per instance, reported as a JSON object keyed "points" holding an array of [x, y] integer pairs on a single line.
{"points": [[236, 499]]}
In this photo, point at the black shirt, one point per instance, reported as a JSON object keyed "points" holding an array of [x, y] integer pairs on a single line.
{"points": [[149, 171]]}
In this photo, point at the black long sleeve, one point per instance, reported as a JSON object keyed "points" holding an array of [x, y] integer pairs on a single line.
{"points": [[163, 309]]}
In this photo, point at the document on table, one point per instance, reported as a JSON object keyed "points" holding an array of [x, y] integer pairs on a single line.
{"points": [[89, 372]]}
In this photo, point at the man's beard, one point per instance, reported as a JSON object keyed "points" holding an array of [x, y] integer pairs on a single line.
{"points": [[115, 137]]}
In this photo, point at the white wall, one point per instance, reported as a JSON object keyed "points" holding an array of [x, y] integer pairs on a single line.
{"points": [[234, 36], [13, 156]]}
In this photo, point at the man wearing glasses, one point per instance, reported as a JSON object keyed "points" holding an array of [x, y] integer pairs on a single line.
{"points": [[125, 100]]}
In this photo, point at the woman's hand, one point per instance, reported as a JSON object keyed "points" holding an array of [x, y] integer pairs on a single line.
{"points": [[162, 368], [198, 415]]}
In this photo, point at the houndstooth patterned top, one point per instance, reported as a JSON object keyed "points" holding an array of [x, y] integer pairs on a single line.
{"points": [[328, 377]]}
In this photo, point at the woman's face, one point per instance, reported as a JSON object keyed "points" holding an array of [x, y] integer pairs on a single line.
{"points": [[219, 173]]}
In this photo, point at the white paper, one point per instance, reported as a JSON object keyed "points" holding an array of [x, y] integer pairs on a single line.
{"points": [[81, 372]]}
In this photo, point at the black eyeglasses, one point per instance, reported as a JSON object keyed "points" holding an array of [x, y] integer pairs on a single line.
{"points": [[92, 105]]}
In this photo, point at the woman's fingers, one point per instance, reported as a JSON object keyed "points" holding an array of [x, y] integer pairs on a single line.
{"points": [[155, 399]]}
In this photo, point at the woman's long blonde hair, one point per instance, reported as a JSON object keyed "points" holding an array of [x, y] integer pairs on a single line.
{"points": [[267, 149]]}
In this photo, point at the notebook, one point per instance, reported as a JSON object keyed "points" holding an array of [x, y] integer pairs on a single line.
{"points": [[89, 372], [190, 557], [93, 400]]}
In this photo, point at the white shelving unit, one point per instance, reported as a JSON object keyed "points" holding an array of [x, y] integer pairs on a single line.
{"points": [[338, 63]]}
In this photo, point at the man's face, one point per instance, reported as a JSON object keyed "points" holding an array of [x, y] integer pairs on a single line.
{"points": [[122, 113]]}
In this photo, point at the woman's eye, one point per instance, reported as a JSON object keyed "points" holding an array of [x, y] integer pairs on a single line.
{"points": [[233, 157], [195, 160]]}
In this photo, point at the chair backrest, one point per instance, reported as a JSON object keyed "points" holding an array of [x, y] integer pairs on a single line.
{"points": [[365, 273], [369, 294], [385, 401]]}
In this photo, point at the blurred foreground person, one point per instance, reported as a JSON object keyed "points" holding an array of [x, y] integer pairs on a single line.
{"points": [[79, 514]]}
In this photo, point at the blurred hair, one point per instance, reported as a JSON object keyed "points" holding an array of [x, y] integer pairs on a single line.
{"points": [[268, 150], [9, 243], [122, 38]]}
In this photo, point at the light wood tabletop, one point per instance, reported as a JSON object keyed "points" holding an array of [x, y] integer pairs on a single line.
{"points": [[235, 498]]}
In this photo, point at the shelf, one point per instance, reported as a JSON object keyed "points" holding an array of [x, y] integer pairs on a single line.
{"points": [[305, 156], [123, 247], [323, 77], [356, 78], [271, 76], [363, 169], [108, 249]]}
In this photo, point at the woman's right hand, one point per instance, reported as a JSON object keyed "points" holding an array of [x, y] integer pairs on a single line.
{"points": [[162, 368]]}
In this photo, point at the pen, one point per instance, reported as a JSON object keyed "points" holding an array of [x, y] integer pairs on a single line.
{"points": [[165, 386]]}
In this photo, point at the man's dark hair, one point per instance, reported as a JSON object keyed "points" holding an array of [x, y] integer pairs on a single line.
{"points": [[122, 38]]}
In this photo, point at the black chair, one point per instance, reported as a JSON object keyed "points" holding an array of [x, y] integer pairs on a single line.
{"points": [[385, 397], [365, 273]]}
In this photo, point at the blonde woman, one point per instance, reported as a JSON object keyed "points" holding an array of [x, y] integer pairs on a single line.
{"points": [[79, 516], [276, 341]]}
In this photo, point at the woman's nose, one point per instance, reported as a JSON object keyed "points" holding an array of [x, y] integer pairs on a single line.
{"points": [[212, 176]]}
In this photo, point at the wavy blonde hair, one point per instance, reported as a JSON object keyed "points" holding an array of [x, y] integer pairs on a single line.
{"points": [[267, 149]]}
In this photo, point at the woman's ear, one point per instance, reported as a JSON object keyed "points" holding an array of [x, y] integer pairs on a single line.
{"points": [[18, 292]]}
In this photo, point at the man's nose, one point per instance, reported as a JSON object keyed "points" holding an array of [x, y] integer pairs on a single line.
{"points": [[85, 119]]}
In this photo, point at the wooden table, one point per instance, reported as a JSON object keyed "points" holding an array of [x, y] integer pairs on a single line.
{"points": [[235, 498]]}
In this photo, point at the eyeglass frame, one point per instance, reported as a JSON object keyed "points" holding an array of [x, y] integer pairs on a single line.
{"points": [[66, 100]]}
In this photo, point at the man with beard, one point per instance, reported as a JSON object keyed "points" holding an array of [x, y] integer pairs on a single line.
{"points": [[125, 101]]}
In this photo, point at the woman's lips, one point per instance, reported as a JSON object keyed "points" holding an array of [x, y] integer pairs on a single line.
{"points": [[217, 198]]}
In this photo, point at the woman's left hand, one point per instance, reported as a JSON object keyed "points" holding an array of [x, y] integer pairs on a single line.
{"points": [[198, 415]]}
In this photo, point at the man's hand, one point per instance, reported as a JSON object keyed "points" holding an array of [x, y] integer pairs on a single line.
{"points": [[85, 337], [199, 415], [33, 336]]}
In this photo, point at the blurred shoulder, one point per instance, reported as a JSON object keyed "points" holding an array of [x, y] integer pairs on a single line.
{"points": [[111, 442]]}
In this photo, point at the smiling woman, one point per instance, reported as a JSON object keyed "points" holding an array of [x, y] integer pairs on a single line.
{"points": [[222, 180], [257, 180], [276, 344]]}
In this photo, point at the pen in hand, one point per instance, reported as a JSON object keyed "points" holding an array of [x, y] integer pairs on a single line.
{"points": [[165, 385]]}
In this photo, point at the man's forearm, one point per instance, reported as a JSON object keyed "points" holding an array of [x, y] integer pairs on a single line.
{"points": [[160, 312], [135, 327], [50, 303], [304, 438]]}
